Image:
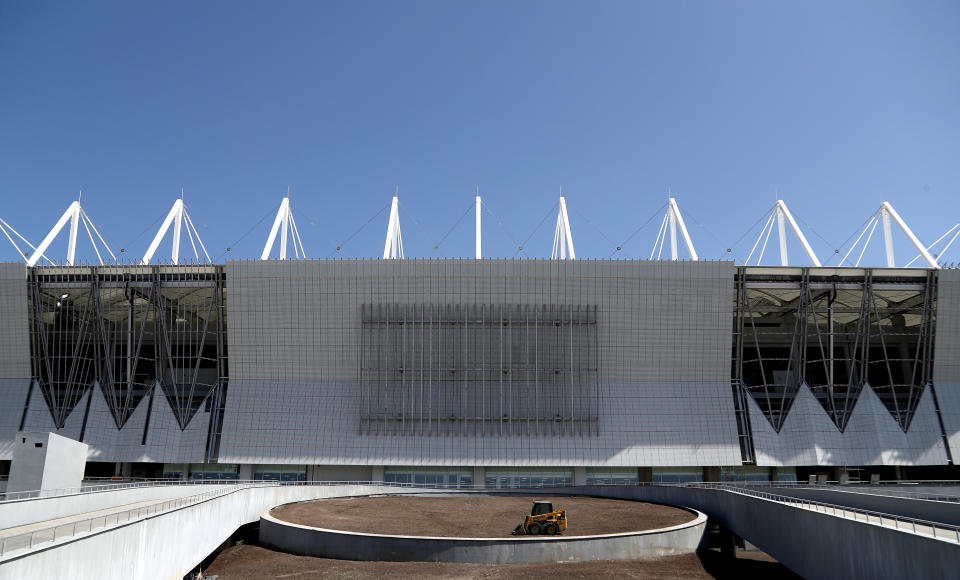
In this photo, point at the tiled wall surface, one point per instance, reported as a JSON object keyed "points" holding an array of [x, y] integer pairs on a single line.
{"points": [[663, 330], [946, 357], [14, 352], [663, 366]]}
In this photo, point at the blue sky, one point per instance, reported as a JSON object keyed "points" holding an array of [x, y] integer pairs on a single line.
{"points": [[836, 106]]}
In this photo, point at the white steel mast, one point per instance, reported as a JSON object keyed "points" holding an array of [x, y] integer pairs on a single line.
{"points": [[886, 215], [479, 204], [76, 216], [781, 214], [671, 221], [393, 246], [286, 226], [562, 236], [177, 216]]}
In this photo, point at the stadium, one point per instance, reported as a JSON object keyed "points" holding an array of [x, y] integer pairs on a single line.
{"points": [[485, 372]]}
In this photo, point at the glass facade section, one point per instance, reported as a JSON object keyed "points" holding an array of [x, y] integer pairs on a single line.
{"points": [[174, 470], [746, 473], [612, 476], [438, 476], [280, 473], [528, 477], [214, 471], [677, 474]]}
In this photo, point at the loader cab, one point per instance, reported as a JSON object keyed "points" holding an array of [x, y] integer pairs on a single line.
{"points": [[541, 507]]}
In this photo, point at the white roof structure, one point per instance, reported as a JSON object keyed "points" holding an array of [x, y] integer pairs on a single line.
{"points": [[285, 225], [393, 246], [885, 215], [782, 216], [7, 229], [285, 233], [562, 236], [671, 220], [76, 216], [955, 230], [178, 217]]}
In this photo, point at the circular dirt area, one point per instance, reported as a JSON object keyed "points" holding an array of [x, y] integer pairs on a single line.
{"points": [[476, 516]]}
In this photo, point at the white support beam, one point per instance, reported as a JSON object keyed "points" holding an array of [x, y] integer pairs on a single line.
{"points": [[785, 213], [176, 217], [562, 236], [887, 237], [393, 245], [889, 211], [286, 226], [781, 218], [887, 216], [75, 215], [673, 220], [7, 229], [479, 204], [955, 230]]}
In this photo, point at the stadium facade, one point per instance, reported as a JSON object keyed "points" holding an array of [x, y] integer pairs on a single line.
{"points": [[485, 372]]}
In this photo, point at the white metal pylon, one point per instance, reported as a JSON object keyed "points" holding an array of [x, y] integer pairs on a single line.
{"points": [[479, 204], [393, 246], [178, 216], [76, 216], [955, 230], [672, 219], [7, 229], [286, 225], [562, 237], [783, 217], [884, 215]]}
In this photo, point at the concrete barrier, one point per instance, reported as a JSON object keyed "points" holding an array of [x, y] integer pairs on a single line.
{"points": [[27, 511], [326, 543], [811, 543]]}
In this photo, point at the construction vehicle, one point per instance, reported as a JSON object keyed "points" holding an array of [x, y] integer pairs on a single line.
{"points": [[543, 519]]}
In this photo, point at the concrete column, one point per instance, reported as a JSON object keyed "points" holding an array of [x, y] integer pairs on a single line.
{"points": [[377, 473], [840, 474], [579, 476], [645, 474], [479, 476], [126, 469], [773, 474], [728, 543], [246, 471], [711, 474]]}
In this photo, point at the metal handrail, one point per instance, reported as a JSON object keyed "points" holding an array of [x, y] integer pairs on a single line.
{"points": [[87, 525], [952, 533]]}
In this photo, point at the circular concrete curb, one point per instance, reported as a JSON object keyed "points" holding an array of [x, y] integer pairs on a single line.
{"points": [[326, 543]]}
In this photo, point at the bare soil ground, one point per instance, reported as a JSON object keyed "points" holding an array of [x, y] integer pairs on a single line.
{"points": [[246, 562], [476, 516]]}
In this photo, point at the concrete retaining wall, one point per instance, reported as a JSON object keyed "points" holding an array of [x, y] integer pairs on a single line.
{"points": [[812, 544], [27, 511], [310, 541]]}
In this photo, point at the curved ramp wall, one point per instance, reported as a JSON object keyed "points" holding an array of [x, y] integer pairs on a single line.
{"points": [[326, 543]]}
